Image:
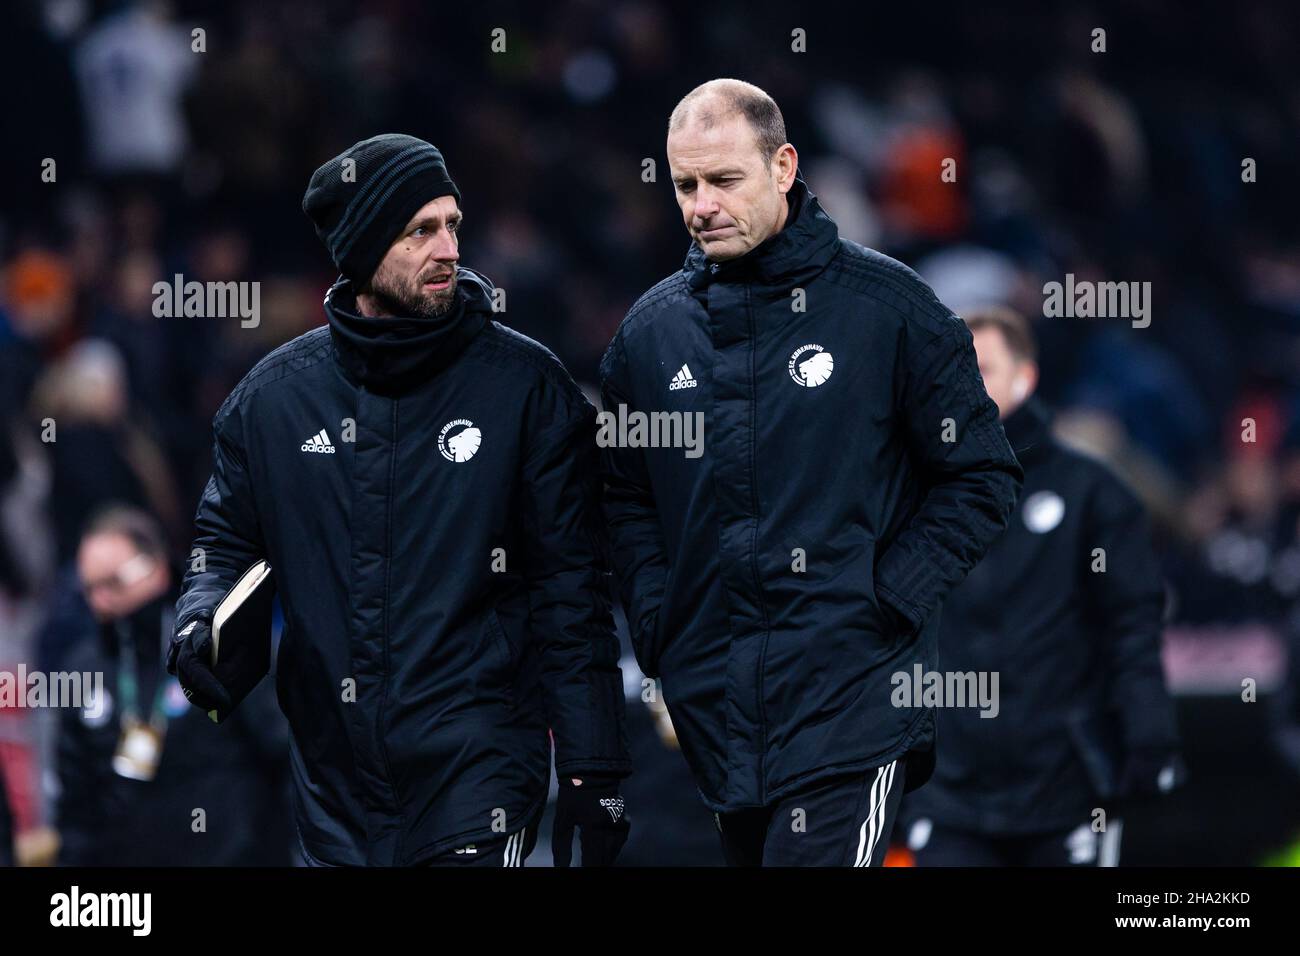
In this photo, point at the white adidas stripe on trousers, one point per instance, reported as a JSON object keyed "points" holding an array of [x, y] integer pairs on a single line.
{"points": [[514, 848], [1108, 854], [874, 825]]}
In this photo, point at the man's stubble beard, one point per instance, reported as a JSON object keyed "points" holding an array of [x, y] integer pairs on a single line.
{"points": [[397, 298]]}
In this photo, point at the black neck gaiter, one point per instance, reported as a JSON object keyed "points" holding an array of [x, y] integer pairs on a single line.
{"points": [[394, 354]]}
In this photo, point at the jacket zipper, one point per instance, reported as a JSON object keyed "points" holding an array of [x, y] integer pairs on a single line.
{"points": [[380, 725], [753, 549]]}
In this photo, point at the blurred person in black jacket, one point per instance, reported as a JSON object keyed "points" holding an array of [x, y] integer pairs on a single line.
{"points": [[1066, 609], [146, 779], [100, 447]]}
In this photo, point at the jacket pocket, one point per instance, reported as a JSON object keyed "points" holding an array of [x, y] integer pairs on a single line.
{"points": [[1097, 742], [879, 618], [889, 619], [496, 672], [502, 647], [646, 646]]}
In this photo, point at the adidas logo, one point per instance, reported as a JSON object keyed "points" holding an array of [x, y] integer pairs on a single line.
{"points": [[683, 379], [614, 805], [319, 443]]}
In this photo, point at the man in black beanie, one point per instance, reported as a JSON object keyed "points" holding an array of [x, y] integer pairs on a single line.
{"points": [[404, 175], [423, 482]]}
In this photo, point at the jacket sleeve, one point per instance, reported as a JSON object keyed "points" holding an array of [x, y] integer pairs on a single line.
{"points": [[566, 573], [970, 475], [228, 537], [1127, 603], [636, 536]]}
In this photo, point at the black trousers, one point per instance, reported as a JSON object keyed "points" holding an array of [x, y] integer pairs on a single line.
{"points": [[841, 822], [1080, 846], [509, 849]]}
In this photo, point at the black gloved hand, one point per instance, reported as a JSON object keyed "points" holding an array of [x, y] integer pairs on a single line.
{"points": [[594, 806], [1151, 772], [188, 660]]}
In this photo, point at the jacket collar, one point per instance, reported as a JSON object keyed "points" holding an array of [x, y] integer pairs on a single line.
{"points": [[391, 355], [800, 251], [1028, 430]]}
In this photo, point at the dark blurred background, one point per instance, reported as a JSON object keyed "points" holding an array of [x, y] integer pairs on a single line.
{"points": [[1124, 165]]}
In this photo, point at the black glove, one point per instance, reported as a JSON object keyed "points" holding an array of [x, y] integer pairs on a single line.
{"points": [[1151, 772], [188, 661], [595, 806]]}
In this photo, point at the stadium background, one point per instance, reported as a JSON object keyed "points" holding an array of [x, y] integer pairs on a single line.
{"points": [[1123, 165]]}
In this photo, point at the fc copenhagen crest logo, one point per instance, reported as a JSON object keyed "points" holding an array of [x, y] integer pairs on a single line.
{"points": [[459, 440], [1043, 511], [811, 365]]}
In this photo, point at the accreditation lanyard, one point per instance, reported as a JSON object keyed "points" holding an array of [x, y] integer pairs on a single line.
{"points": [[139, 747], [128, 688]]}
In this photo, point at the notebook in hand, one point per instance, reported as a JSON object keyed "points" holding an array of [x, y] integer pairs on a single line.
{"points": [[241, 635]]}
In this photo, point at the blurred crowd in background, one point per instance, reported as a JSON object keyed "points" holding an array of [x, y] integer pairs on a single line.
{"points": [[1122, 165]]}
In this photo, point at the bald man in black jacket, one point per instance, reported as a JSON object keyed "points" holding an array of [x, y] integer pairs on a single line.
{"points": [[846, 469]]}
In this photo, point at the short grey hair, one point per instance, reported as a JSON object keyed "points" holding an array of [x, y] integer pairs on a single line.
{"points": [[712, 102]]}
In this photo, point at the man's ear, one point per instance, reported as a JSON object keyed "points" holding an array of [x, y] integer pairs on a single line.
{"points": [[1026, 381], [785, 163]]}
